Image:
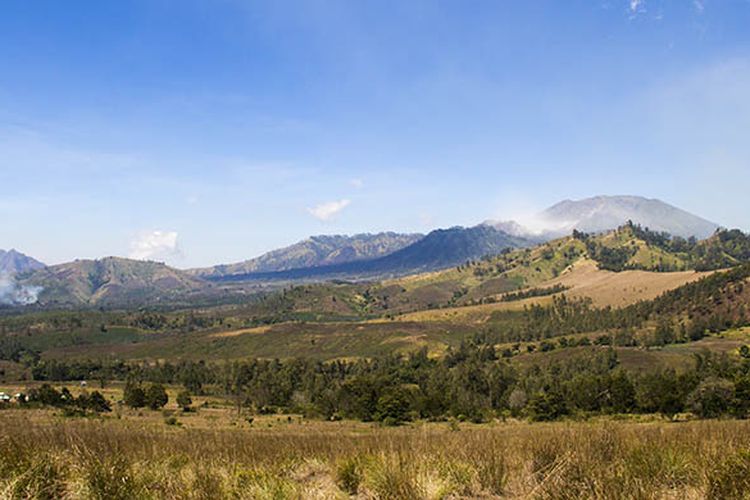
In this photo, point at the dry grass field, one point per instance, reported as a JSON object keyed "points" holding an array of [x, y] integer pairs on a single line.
{"points": [[607, 288], [582, 280], [43, 455]]}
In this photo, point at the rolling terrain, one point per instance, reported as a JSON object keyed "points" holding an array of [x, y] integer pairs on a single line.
{"points": [[516, 301]]}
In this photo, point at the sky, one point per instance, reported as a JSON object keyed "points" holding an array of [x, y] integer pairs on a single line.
{"points": [[204, 132]]}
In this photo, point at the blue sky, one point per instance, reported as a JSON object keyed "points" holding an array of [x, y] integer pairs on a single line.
{"points": [[200, 132]]}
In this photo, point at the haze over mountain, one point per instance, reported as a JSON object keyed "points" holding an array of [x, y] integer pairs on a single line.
{"points": [[317, 251], [14, 262], [605, 213]]}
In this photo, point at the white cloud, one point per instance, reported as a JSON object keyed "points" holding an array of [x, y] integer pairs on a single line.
{"points": [[357, 183], [698, 4], [155, 245], [636, 7], [325, 211]]}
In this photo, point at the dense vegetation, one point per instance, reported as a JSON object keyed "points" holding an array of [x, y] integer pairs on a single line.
{"points": [[725, 249], [472, 382]]}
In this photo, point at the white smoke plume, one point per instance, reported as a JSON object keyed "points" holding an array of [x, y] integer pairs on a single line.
{"points": [[13, 294]]}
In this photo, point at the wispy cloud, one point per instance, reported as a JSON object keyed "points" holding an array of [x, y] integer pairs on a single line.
{"points": [[357, 183], [155, 245], [325, 211], [636, 7]]}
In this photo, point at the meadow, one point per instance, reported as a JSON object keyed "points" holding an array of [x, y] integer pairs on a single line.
{"points": [[222, 455]]}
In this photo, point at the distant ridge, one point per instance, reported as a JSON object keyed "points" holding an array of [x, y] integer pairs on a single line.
{"points": [[606, 213], [14, 262], [316, 251], [440, 249]]}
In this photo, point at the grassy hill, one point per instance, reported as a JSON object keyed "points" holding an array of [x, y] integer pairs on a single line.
{"points": [[115, 282]]}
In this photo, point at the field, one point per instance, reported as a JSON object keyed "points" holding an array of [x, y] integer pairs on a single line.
{"points": [[43, 455]]}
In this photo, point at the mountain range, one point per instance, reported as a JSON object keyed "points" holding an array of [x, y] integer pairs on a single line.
{"points": [[316, 251], [439, 249], [117, 282]]}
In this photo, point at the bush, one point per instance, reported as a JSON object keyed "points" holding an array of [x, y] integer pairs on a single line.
{"points": [[349, 475], [393, 406], [96, 402], [134, 395], [156, 396], [184, 400], [712, 398]]}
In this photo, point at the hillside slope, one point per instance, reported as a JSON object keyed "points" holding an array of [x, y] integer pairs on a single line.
{"points": [[112, 281]]}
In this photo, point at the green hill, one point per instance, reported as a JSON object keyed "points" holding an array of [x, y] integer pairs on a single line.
{"points": [[114, 282]]}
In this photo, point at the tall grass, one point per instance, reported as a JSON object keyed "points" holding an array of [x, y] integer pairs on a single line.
{"points": [[119, 459]]}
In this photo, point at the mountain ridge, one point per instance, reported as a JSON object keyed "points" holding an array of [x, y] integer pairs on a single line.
{"points": [[603, 213], [441, 248], [14, 262], [316, 251]]}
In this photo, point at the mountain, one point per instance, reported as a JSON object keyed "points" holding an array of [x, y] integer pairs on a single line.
{"points": [[316, 251], [440, 249], [112, 281], [605, 213], [13, 262]]}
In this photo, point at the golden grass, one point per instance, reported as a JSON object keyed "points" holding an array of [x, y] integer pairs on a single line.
{"points": [[51, 457], [607, 288]]}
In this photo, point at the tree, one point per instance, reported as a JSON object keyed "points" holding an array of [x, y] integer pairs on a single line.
{"points": [[393, 406], [517, 401], [184, 401], [547, 405], [134, 395], [712, 398], [156, 396], [46, 395]]}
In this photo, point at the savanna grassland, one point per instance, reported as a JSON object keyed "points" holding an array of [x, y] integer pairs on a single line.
{"points": [[43, 455]]}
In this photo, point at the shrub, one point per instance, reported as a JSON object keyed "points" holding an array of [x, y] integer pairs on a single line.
{"points": [[349, 475], [712, 398], [134, 395], [156, 396], [184, 401], [392, 478]]}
